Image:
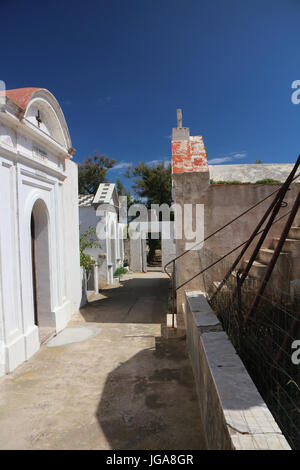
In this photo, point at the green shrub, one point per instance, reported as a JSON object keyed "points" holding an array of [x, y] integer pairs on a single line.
{"points": [[264, 181], [119, 271], [88, 239], [227, 182], [267, 181]]}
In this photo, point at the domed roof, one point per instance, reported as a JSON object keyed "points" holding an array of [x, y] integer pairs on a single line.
{"points": [[34, 101]]}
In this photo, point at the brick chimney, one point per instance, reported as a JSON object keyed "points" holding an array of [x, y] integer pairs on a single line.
{"points": [[188, 152]]}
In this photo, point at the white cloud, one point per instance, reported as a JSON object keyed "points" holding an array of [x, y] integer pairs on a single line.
{"points": [[239, 155], [156, 162], [219, 160], [232, 156], [120, 166]]}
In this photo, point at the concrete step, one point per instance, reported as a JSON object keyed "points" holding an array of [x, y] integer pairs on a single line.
{"points": [[295, 233], [257, 269], [265, 255], [168, 331], [291, 245]]}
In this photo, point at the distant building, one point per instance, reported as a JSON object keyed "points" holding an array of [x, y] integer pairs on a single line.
{"points": [[101, 213]]}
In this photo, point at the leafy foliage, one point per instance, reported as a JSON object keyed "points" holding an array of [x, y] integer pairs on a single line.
{"points": [[122, 191], [92, 172], [227, 182], [267, 181], [154, 183], [264, 181], [88, 239], [119, 271]]}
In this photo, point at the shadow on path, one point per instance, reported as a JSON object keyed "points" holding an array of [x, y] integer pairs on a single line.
{"points": [[149, 402], [138, 300]]}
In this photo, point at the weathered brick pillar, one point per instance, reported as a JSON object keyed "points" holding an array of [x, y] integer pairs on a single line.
{"points": [[190, 178]]}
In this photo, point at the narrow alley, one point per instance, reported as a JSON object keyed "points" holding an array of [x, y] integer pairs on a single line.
{"points": [[123, 387]]}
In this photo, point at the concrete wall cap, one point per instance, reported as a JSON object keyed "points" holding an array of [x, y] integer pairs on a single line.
{"points": [[201, 310]]}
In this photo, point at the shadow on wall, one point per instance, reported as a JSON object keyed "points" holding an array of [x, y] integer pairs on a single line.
{"points": [[84, 299], [130, 303], [150, 402]]}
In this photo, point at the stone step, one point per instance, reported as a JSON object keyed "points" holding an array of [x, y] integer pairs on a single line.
{"points": [[265, 255], [168, 331], [291, 245], [257, 269], [295, 233]]}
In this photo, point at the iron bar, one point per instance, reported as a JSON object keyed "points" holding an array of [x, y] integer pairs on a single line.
{"points": [[227, 254], [283, 189], [274, 257], [239, 293], [277, 205], [173, 294], [223, 227], [289, 180]]}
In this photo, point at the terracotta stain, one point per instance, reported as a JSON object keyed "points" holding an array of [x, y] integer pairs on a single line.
{"points": [[189, 155], [20, 96]]}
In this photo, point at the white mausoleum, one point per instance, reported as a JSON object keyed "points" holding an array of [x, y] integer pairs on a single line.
{"points": [[101, 213], [40, 284]]}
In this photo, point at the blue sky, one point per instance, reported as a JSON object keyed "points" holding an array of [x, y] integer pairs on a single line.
{"points": [[120, 68]]}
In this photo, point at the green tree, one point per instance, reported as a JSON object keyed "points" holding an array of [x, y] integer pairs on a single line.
{"points": [[258, 161], [153, 183], [92, 172], [88, 239], [122, 191]]}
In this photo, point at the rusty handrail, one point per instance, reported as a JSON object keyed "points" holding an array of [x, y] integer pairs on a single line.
{"points": [[276, 253], [276, 203], [227, 254], [274, 208], [223, 227]]}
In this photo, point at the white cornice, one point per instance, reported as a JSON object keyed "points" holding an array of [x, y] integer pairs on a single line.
{"points": [[36, 134], [18, 157]]}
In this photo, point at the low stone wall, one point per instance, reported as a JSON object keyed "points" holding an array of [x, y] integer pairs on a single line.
{"points": [[233, 412]]}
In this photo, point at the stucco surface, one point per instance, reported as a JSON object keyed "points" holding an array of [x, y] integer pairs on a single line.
{"points": [[223, 203], [250, 172], [117, 390], [36, 178]]}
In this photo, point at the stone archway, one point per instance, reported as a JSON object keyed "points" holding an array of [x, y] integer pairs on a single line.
{"points": [[41, 275]]}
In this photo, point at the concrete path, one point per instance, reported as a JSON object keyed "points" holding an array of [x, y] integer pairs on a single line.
{"points": [[124, 388]]}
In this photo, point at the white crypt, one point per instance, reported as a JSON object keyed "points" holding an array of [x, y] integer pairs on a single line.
{"points": [[40, 284], [101, 212]]}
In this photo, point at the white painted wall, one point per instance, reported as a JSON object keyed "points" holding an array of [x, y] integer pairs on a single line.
{"points": [[27, 176], [110, 255], [250, 172]]}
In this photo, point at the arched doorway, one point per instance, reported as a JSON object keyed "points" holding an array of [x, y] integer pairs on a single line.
{"points": [[41, 278]]}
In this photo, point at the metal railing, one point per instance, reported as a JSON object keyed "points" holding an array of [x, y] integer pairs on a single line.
{"points": [[271, 212], [261, 319], [265, 341]]}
